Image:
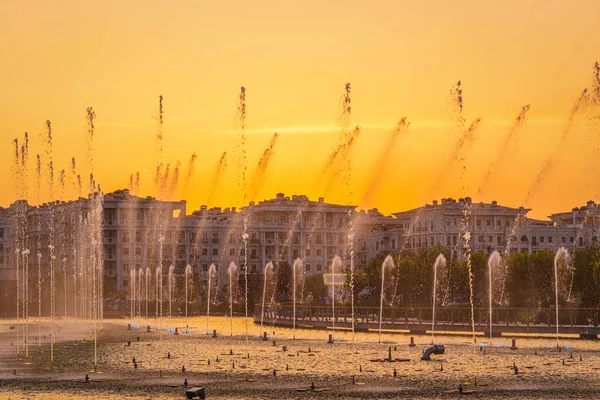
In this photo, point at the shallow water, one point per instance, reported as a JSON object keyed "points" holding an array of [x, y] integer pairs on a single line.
{"points": [[329, 366]]}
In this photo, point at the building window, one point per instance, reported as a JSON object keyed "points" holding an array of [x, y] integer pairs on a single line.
{"points": [[319, 252], [232, 252], [319, 239], [205, 267], [307, 252], [448, 241], [478, 222], [319, 267], [125, 267], [572, 239], [490, 239], [580, 241], [253, 268], [125, 251], [499, 240], [481, 239], [498, 222], [253, 253], [215, 252], [542, 239], [138, 251], [205, 252], [564, 239], [307, 267], [549, 239], [125, 283], [507, 222], [489, 222]]}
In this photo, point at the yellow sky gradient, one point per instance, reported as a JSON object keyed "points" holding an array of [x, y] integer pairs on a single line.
{"points": [[294, 57]]}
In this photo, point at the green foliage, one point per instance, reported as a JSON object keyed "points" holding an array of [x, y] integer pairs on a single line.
{"points": [[315, 286]]}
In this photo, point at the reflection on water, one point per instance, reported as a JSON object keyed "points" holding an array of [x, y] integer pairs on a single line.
{"points": [[308, 359]]}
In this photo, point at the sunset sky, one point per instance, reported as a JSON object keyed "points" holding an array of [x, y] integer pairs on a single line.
{"points": [[294, 58]]}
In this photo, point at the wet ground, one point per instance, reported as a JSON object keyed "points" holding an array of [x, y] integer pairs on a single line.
{"points": [[222, 365]]}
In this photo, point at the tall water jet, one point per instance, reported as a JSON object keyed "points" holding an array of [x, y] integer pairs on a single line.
{"points": [[188, 276], [157, 292], [494, 268], [440, 263], [241, 145], [140, 280], [456, 105], [383, 159], [388, 263], [297, 265], [190, 168], [561, 259], [211, 271], [221, 167], [171, 282], [519, 121], [261, 169], [336, 264], [267, 277], [147, 292], [231, 273], [132, 276], [466, 238]]}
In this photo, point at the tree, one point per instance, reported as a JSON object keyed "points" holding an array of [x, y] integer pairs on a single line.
{"points": [[315, 286]]}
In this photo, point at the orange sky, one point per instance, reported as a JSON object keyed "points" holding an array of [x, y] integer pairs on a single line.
{"points": [[294, 57]]}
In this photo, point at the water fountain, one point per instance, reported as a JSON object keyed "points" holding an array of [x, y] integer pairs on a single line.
{"points": [[266, 278], [188, 275], [336, 264], [388, 263], [231, 273], [211, 271], [297, 265], [440, 263], [171, 282], [494, 268], [561, 258], [147, 292]]}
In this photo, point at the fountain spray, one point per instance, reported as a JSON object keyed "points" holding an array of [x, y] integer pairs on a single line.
{"points": [[188, 273], [440, 262], [261, 169], [494, 264], [383, 159], [389, 264], [510, 137], [295, 266], [211, 271]]}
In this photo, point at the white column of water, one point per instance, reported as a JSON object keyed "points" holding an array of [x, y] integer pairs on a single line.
{"points": [[26, 299], [171, 281], [297, 264], [389, 264], [440, 261], [494, 263], [211, 270], [231, 271], [147, 297], [335, 265], [268, 267], [17, 253], [139, 296], [561, 255], [188, 274]]}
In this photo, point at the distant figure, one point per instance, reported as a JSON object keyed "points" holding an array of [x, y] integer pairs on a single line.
{"points": [[460, 388], [312, 386], [87, 378], [185, 382], [169, 355]]}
